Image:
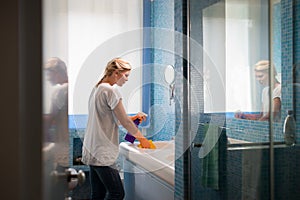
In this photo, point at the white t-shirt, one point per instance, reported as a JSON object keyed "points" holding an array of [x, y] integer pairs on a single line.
{"points": [[101, 139], [59, 98], [265, 97], [59, 110]]}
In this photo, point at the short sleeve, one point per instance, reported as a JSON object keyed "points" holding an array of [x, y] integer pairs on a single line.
{"points": [[114, 98], [277, 92]]}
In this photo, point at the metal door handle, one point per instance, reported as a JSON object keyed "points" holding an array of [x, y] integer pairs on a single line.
{"points": [[69, 175], [80, 176]]}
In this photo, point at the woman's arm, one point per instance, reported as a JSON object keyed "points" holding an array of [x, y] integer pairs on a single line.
{"points": [[241, 115], [128, 124], [276, 107], [275, 111]]}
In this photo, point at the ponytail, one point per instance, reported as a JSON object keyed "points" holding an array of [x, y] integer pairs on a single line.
{"points": [[113, 65]]}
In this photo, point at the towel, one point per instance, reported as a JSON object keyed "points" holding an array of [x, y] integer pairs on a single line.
{"points": [[210, 154]]}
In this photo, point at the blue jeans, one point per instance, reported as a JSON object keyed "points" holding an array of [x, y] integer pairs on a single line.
{"points": [[106, 183]]}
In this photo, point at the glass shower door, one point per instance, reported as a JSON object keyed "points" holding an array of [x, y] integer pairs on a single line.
{"points": [[285, 49], [59, 178], [239, 150], [56, 172]]}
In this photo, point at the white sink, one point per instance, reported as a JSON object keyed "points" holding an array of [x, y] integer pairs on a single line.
{"points": [[159, 161]]}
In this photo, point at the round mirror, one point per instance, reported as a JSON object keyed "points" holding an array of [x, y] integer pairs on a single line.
{"points": [[169, 74]]}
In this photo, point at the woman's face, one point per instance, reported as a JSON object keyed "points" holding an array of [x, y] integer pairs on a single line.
{"points": [[123, 78], [262, 77]]}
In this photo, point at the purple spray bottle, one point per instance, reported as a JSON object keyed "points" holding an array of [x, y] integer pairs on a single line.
{"points": [[128, 136]]}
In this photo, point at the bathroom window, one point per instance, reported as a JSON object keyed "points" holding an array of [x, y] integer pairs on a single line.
{"points": [[86, 35]]}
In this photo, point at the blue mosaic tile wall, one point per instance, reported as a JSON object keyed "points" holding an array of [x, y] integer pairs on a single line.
{"points": [[252, 131], [287, 55], [277, 36], [162, 125]]}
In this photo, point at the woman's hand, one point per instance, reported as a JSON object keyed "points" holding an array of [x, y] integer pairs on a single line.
{"points": [[144, 142], [239, 114], [140, 115]]}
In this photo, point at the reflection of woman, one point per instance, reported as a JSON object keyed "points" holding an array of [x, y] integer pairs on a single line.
{"points": [[57, 119], [101, 141], [56, 125], [262, 75]]}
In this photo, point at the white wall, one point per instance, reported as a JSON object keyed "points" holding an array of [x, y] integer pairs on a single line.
{"points": [[214, 67], [86, 35]]}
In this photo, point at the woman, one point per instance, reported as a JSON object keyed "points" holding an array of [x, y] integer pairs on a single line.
{"points": [[101, 141], [262, 76]]}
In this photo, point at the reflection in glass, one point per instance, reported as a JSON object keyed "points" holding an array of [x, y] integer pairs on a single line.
{"points": [[236, 68], [262, 72], [170, 79], [56, 121], [82, 35], [169, 74], [56, 134]]}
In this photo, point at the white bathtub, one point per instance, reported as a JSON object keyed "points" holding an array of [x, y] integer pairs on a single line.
{"points": [[159, 161]]}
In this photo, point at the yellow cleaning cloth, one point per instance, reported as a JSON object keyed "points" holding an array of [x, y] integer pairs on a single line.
{"points": [[152, 146]]}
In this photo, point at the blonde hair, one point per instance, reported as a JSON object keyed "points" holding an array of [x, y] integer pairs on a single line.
{"points": [[264, 65], [113, 65]]}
